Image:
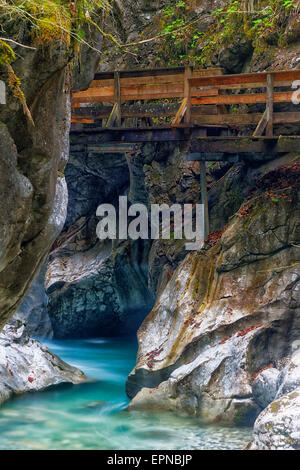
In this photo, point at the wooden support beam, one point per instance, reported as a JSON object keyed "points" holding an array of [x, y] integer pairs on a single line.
{"points": [[113, 116], [270, 104], [117, 98], [261, 126], [180, 113], [187, 94]]}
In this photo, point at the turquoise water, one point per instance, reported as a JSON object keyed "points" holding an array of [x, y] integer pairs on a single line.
{"points": [[93, 415]]}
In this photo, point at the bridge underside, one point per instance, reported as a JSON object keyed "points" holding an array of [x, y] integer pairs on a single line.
{"points": [[203, 143]]}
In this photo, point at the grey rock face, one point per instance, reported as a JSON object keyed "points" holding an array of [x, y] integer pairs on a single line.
{"points": [[265, 386], [226, 313], [278, 426], [30, 157], [26, 365], [96, 288], [289, 378], [33, 309]]}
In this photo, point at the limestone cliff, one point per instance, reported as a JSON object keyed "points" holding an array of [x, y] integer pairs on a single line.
{"points": [[33, 191]]}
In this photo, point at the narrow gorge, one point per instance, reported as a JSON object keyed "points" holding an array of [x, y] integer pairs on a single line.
{"points": [[123, 343]]}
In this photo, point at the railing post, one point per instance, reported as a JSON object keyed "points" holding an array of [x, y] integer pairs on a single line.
{"points": [[187, 93], [270, 104], [117, 97]]}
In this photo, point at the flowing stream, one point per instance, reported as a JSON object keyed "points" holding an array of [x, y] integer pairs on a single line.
{"points": [[93, 415]]}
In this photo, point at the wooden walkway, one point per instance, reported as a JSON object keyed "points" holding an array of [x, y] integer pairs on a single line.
{"points": [[202, 107], [188, 105]]}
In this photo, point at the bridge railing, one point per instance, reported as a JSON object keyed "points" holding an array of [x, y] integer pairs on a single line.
{"points": [[146, 85], [203, 97], [245, 89]]}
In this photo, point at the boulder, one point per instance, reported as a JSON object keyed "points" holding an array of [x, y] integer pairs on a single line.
{"points": [[28, 366], [278, 426]]}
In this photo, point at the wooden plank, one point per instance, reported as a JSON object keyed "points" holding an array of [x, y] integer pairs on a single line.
{"points": [[82, 120], [131, 94], [103, 91], [157, 72], [283, 83], [155, 89], [243, 119], [176, 79], [245, 79], [280, 97], [270, 104], [197, 115], [180, 113], [136, 81]]}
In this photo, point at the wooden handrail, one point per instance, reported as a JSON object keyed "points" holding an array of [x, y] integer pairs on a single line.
{"points": [[246, 78], [200, 92]]}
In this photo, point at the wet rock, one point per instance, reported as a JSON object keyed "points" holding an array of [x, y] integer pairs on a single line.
{"points": [[226, 313], [96, 287], [32, 191], [265, 386], [33, 310], [28, 366], [278, 426]]}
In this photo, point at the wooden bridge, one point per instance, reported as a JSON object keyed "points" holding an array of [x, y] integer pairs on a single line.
{"points": [[202, 107], [187, 104]]}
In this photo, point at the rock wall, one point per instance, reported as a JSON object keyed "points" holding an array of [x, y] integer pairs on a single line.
{"points": [[227, 312], [95, 287], [33, 203], [33, 310], [33, 191]]}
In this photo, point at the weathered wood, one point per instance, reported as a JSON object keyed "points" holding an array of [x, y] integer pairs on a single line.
{"points": [[136, 93], [157, 72], [270, 104], [117, 98], [245, 79], [113, 116], [280, 97], [261, 126], [243, 119], [283, 83], [202, 90], [180, 113], [187, 94]]}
